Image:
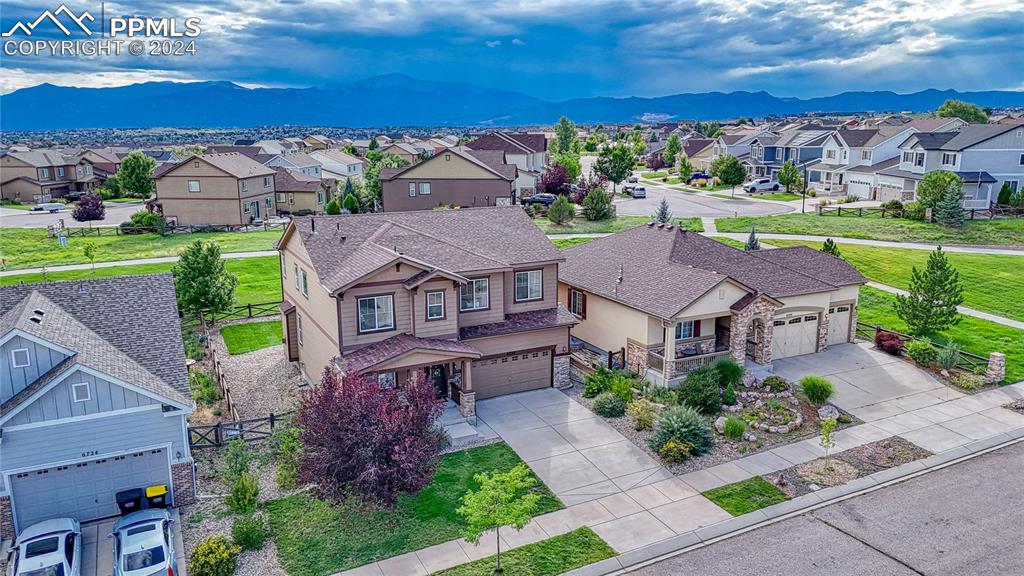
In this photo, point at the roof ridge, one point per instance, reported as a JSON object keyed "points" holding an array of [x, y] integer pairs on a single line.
{"points": [[755, 254], [431, 236]]}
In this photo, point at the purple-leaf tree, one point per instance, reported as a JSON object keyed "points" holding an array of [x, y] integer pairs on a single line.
{"points": [[554, 180], [654, 161], [369, 441], [88, 208]]}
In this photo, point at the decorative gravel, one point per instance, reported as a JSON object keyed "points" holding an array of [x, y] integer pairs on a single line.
{"points": [[261, 382], [1016, 405]]}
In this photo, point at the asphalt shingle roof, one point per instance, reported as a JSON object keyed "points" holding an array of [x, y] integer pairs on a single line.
{"points": [[395, 346]]}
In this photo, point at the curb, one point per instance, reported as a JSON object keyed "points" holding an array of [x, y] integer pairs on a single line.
{"points": [[702, 537]]}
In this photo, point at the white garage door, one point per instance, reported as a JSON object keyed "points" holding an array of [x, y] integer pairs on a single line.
{"points": [[512, 373], [886, 194], [86, 490], [838, 324], [794, 335], [858, 188]]}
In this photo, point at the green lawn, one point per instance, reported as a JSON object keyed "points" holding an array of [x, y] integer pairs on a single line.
{"points": [[31, 248], [242, 338], [566, 243], [315, 538], [653, 175], [987, 279], [16, 206], [714, 188], [971, 334], [746, 496], [780, 196], [730, 242], [545, 558], [1003, 232], [726, 196], [125, 200], [583, 226], [667, 180], [259, 279]]}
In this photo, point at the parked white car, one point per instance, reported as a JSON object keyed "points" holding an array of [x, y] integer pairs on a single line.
{"points": [[761, 185], [49, 548]]}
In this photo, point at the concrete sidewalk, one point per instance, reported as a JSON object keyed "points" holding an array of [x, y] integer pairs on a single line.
{"points": [[135, 262], [883, 243]]}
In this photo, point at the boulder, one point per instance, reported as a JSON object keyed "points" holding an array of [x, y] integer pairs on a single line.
{"points": [[828, 411], [720, 424]]}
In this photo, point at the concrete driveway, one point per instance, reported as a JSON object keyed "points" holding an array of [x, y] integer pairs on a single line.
{"points": [[97, 549], [686, 204]]}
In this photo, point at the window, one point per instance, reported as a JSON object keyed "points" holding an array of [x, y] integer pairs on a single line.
{"points": [[193, 185], [425, 188], [684, 330], [844, 154], [474, 295], [295, 267], [305, 284], [919, 159], [865, 155], [948, 159], [267, 181], [270, 201], [376, 313], [245, 185], [80, 392], [412, 189], [319, 196], [20, 358], [280, 197], [908, 157], [298, 326], [435, 305], [44, 173], [577, 303], [60, 171], [1022, 159], [529, 285], [386, 379], [830, 154]]}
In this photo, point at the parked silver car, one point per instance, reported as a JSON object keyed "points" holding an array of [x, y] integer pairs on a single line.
{"points": [[49, 548], [761, 185], [638, 192], [143, 545]]}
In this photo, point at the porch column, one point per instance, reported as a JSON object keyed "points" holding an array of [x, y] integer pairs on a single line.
{"points": [[467, 398], [670, 349]]}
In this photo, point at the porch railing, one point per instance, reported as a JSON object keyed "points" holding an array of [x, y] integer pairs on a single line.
{"points": [[682, 366]]}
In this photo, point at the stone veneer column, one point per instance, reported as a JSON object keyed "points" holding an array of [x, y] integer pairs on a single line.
{"points": [[737, 337], [996, 371], [636, 357], [183, 483], [467, 398], [823, 321], [6, 519], [853, 323]]}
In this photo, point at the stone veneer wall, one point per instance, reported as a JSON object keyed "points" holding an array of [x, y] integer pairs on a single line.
{"points": [[823, 332], [467, 406], [853, 323], [183, 481], [6, 519], [636, 356], [760, 309]]}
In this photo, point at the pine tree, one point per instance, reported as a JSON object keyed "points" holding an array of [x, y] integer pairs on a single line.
{"points": [[350, 203], [830, 248], [663, 215], [932, 298], [948, 211], [752, 242]]}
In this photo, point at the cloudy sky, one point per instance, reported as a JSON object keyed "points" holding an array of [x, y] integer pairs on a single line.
{"points": [[558, 49]]}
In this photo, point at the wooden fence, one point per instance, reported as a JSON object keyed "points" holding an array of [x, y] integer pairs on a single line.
{"points": [[994, 211], [967, 361], [215, 435], [168, 230], [241, 312]]}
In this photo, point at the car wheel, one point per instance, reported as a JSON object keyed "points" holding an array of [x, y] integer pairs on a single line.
{"points": [[775, 188]]}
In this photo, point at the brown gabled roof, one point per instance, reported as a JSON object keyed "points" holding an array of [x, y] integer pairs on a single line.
{"points": [[228, 148], [814, 263], [233, 163], [286, 180], [348, 247], [661, 271], [521, 322], [694, 146], [490, 160], [375, 354], [510, 142]]}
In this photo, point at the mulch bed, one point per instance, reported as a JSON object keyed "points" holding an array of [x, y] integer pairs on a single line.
{"points": [[1016, 406], [846, 466]]}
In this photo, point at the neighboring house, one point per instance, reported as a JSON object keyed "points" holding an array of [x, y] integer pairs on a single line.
{"points": [[455, 177], [527, 151], [94, 398], [403, 150], [761, 159], [215, 189], [675, 300], [40, 175], [299, 193], [983, 155], [317, 142], [296, 161], [800, 145], [442, 292], [163, 156], [106, 159], [237, 149], [337, 164], [699, 152]]}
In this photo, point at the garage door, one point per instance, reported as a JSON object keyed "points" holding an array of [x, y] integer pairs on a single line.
{"points": [[512, 373], [885, 194], [859, 189], [838, 324], [86, 490], [794, 335]]}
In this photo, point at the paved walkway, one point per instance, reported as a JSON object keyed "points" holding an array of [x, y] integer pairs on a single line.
{"points": [[135, 262], [963, 309], [883, 243]]}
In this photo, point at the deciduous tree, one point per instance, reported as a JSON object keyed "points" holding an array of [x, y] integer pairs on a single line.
{"points": [[554, 180], [503, 499], [934, 185], [685, 168], [201, 281], [571, 163], [135, 175], [963, 110], [89, 208], [615, 162], [566, 139], [672, 149], [932, 297], [728, 169], [789, 176], [376, 442]]}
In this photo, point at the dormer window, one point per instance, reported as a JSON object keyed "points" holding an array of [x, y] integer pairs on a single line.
{"points": [[949, 159], [20, 358]]}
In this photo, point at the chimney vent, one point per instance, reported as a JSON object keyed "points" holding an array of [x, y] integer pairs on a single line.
{"points": [[39, 312], [312, 224]]}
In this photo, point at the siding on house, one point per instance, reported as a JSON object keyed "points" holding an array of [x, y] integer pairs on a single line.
{"points": [[317, 312], [58, 402], [41, 358]]}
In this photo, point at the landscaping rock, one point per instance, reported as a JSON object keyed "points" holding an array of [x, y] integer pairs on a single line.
{"points": [[750, 381], [749, 437], [720, 424], [828, 411]]}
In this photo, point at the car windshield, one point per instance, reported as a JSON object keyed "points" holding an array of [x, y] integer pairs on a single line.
{"points": [[40, 547], [55, 570], [144, 558]]}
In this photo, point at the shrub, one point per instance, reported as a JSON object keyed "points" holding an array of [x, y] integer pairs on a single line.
{"points": [[730, 373], [888, 342], [642, 413], [817, 389], [914, 211], [150, 220], [249, 532], [597, 206], [204, 388], [776, 383], [967, 381], [734, 427], [675, 452], [215, 556], [288, 451], [609, 405], [700, 391], [244, 493], [729, 396], [894, 206], [623, 388], [948, 357], [236, 461], [598, 381], [812, 193], [922, 351], [194, 348], [561, 211], [683, 424]]}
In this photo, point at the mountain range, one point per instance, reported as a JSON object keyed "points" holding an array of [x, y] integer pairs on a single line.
{"points": [[400, 100]]}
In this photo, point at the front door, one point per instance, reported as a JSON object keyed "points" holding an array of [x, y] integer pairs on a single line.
{"points": [[438, 374]]}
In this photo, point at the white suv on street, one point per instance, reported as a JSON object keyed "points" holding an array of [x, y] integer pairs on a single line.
{"points": [[761, 185]]}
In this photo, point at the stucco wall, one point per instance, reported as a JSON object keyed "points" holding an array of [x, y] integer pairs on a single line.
{"points": [[608, 324]]}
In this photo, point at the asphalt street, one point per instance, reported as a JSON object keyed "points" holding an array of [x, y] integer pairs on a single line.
{"points": [[964, 520], [685, 204], [115, 214]]}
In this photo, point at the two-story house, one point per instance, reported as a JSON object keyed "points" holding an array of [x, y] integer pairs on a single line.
{"points": [[403, 150], [299, 193], [440, 292], [983, 155], [699, 152], [526, 150], [228, 189], [337, 164], [455, 177], [800, 145], [674, 300], [296, 162], [94, 397], [37, 176]]}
